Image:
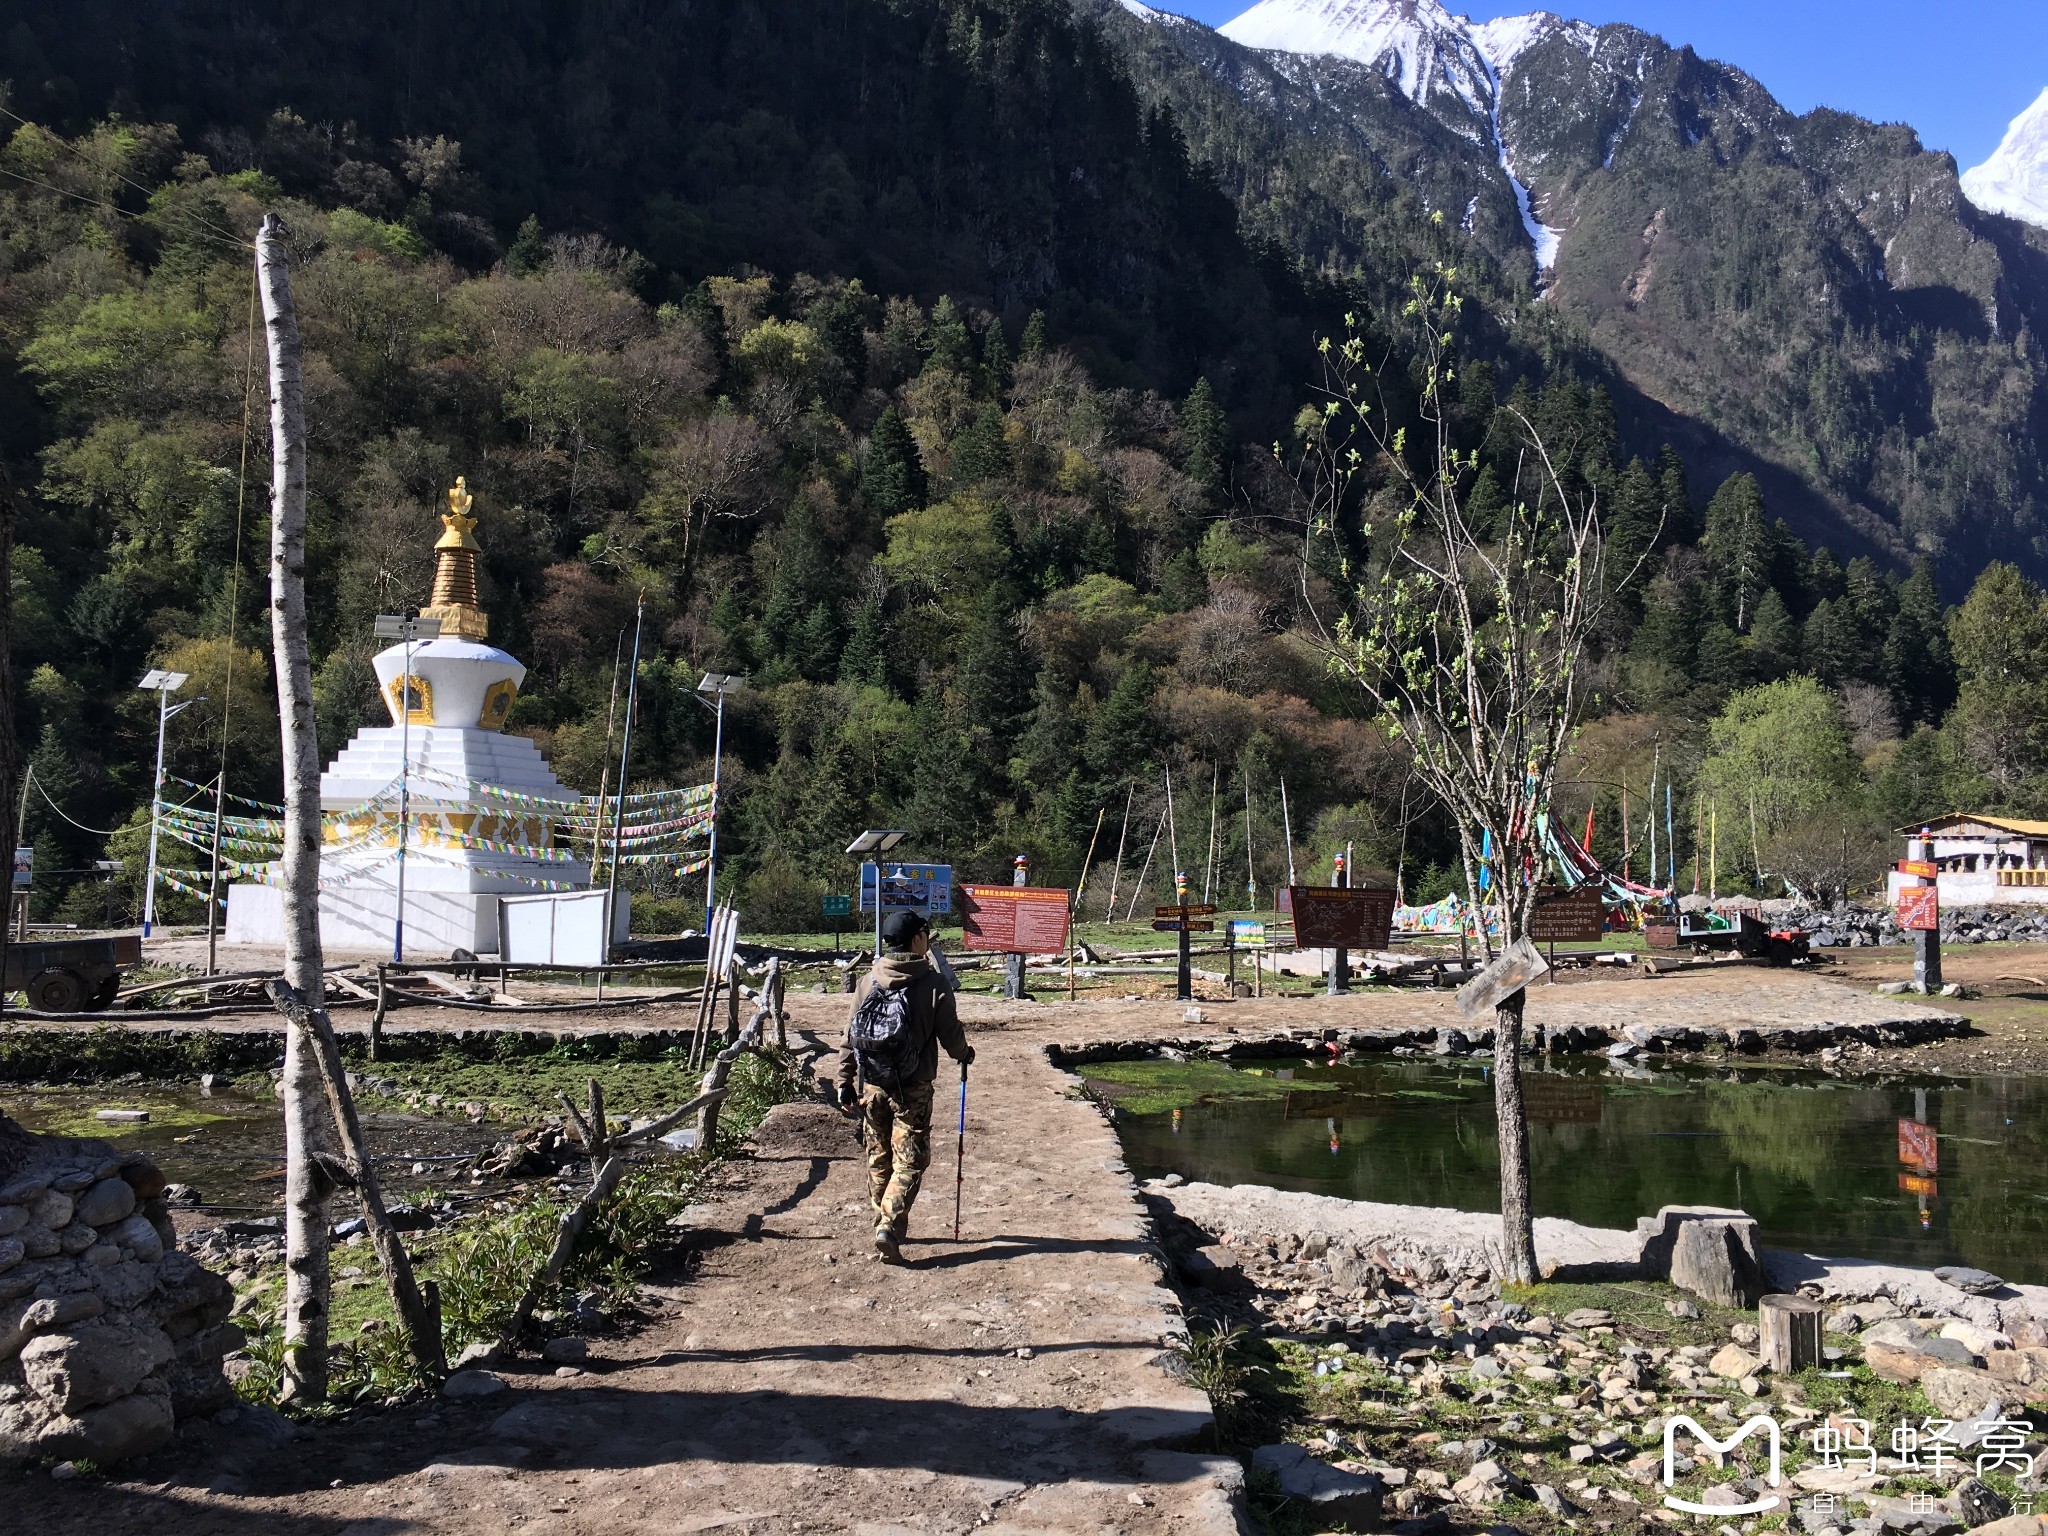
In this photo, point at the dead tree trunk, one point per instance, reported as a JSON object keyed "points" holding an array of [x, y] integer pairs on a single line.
{"points": [[10, 834], [1517, 1221], [419, 1313], [305, 1237]]}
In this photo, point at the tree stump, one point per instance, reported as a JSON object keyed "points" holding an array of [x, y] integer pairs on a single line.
{"points": [[1790, 1329]]}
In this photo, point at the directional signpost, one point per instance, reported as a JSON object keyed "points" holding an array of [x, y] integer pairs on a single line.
{"points": [[1183, 919], [1920, 913]]}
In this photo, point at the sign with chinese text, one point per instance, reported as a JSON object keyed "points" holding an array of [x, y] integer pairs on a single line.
{"points": [[1014, 919], [838, 906], [1341, 916], [1917, 1147], [925, 888], [1924, 868], [1182, 925], [1918, 910], [1569, 917], [1191, 909]]}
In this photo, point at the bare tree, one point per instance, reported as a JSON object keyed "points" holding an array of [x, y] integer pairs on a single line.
{"points": [[1468, 640], [306, 1182]]}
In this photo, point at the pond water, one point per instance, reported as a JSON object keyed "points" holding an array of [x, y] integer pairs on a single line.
{"points": [[230, 1146], [1816, 1159]]}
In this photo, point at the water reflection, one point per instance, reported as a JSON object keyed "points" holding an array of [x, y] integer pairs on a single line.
{"points": [[1818, 1160]]}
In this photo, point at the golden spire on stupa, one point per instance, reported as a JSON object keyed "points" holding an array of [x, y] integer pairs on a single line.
{"points": [[455, 599]]}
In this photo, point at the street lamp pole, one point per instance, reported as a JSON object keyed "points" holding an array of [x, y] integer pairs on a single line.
{"points": [[163, 684], [407, 628], [718, 684]]}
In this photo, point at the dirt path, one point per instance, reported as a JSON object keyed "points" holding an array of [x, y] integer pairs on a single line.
{"points": [[1011, 1382]]}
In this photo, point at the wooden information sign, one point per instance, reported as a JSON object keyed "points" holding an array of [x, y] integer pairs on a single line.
{"points": [[1569, 917], [1182, 925], [1341, 916], [1014, 919], [1192, 909]]}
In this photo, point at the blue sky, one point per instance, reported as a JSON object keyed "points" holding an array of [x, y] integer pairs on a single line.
{"points": [[1957, 70]]}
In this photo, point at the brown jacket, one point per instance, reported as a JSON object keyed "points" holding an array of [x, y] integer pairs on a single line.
{"points": [[934, 1021]]}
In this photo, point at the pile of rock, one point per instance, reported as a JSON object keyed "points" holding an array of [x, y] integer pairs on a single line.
{"points": [[108, 1335], [1849, 927]]}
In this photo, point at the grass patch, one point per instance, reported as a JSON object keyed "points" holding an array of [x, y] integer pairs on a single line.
{"points": [[482, 1264], [525, 1086], [1153, 1087]]}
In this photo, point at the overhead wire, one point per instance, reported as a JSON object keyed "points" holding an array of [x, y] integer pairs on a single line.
{"points": [[207, 227]]}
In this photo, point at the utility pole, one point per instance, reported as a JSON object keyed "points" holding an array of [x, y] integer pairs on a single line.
{"points": [[305, 1184]]}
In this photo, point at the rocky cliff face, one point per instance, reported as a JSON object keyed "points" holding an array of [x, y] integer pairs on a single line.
{"points": [[109, 1337]]}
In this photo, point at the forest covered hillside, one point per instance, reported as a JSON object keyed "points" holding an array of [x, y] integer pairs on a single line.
{"points": [[900, 356]]}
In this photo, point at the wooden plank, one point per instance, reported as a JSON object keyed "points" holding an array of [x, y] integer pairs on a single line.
{"points": [[1521, 963]]}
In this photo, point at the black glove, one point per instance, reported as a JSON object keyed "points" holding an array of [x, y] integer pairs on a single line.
{"points": [[848, 1099], [967, 1060]]}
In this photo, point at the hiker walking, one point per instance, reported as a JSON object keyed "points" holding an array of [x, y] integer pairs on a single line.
{"points": [[902, 1013]]}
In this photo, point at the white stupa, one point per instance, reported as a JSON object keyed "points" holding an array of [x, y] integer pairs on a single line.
{"points": [[482, 807]]}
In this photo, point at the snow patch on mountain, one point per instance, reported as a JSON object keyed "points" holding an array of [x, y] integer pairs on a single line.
{"points": [[2014, 181], [1417, 44], [1427, 52]]}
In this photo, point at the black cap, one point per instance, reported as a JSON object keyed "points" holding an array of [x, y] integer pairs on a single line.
{"points": [[899, 928]]}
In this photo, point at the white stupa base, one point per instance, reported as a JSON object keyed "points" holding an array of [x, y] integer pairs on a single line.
{"points": [[437, 923]]}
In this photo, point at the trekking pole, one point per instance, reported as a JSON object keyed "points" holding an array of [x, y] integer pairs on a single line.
{"points": [[960, 1153]]}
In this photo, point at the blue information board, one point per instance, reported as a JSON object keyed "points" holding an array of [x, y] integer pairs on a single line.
{"points": [[924, 888]]}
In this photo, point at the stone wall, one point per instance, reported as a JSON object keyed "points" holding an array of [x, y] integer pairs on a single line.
{"points": [[109, 1337]]}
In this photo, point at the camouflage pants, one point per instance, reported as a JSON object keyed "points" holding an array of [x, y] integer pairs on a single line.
{"points": [[899, 1137]]}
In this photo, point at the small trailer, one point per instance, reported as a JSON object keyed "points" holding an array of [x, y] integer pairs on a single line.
{"points": [[1747, 936], [70, 975]]}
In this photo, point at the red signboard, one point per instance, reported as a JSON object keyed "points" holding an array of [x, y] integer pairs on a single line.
{"points": [[1918, 1184], [1015, 919], [1342, 917], [1918, 910], [1924, 868], [1917, 1148]]}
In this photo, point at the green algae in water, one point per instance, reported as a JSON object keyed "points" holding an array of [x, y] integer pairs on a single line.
{"points": [[163, 1116], [1155, 1087]]}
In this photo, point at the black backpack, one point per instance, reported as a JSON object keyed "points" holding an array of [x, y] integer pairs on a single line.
{"points": [[885, 1047]]}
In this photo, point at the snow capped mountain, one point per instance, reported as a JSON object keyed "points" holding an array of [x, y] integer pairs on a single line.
{"points": [[2014, 181], [1440, 61], [1415, 43]]}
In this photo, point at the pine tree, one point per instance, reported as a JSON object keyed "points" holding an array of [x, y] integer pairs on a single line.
{"points": [[981, 451], [528, 252], [1740, 544], [1486, 504], [1183, 585], [1774, 640], [944, 810], [865, 660], [952, 346], [1919, 669], [1123, 735], [892, 476], [994, 677], [1675, 500], [1031, 347], [1204, 436], [995, 357]]}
